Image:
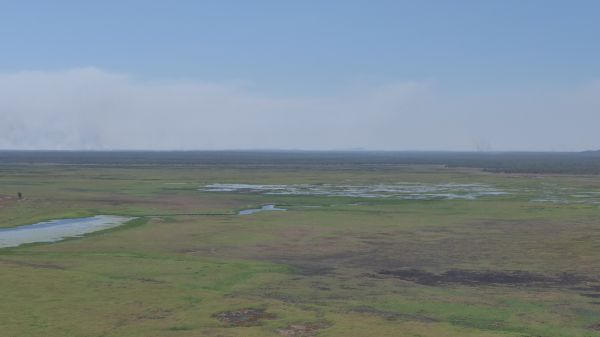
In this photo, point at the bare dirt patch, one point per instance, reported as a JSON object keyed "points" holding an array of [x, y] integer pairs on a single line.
{"points": [[5, 200], [303, 329], [486, 277], [594, 327], [244, 317]]}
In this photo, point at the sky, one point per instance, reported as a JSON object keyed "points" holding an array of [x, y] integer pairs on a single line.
{"points": [[495, 75]]}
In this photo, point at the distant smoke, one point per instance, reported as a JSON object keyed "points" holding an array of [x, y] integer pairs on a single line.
{"points": [[94, 109]]}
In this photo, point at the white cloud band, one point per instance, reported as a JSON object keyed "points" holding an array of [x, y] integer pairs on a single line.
{"points": [[93, 109]]}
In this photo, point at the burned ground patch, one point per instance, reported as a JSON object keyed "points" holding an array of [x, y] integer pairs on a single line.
{"points": [[590, 295], [392, 315], [485, 277], [244, 317]]}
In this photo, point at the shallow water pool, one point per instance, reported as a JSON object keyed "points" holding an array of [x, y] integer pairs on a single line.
{"points": [[262, 209], [56, 230]]}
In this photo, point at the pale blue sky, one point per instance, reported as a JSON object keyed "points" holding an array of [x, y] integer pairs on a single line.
{"points": [[484, 60]]}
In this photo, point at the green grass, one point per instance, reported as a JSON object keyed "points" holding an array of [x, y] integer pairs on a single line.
{"points": [[188, 256]]}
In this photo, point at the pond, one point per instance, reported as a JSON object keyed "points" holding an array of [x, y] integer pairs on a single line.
{"points": [[56, 230], [266, 208]]}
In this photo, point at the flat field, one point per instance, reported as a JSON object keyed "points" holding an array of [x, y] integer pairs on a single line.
{"points": [[362, 250]]}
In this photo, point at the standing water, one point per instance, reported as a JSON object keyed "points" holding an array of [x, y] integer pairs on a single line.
{"points": [[56, 230], [262, 209]]}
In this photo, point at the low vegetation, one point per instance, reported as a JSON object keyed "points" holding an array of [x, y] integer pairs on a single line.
{"points": [[331, 265]]}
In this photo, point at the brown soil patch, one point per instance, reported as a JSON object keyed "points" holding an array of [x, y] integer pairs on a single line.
{"points": [[594, 327], [243, 317], [487, 277], [5, 200], [303, 329]]}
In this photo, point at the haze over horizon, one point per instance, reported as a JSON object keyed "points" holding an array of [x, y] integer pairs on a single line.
{"points": [[376, 75]]}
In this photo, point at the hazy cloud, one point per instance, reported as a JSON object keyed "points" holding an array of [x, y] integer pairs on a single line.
{"points": [[93, 109]]}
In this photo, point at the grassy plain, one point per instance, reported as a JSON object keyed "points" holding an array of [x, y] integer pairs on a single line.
{"points": [[190, 266]]}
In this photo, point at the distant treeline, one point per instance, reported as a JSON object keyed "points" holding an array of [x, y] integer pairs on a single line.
{"points": [[509, 162]]}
